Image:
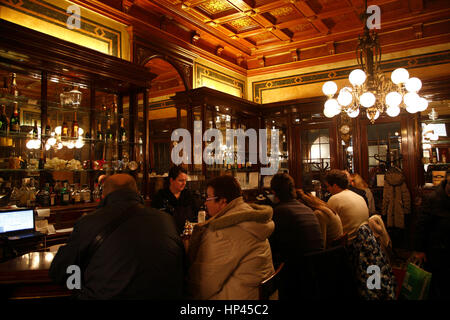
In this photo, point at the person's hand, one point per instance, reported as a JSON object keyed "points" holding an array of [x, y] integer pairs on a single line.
{"points": [[418, 258]]}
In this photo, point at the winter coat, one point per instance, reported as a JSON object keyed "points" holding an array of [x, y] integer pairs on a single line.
{"points": [[396, 199], [230, 253]]}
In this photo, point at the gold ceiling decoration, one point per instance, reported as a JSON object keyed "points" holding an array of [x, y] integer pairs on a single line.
{"points": [[216, 6], [282, 12], [241, 23]]}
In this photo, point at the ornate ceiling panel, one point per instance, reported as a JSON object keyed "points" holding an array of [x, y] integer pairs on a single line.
{"points": [[250, 33]]}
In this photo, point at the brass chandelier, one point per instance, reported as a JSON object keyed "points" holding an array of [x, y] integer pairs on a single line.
{"points": [[370, 90]]}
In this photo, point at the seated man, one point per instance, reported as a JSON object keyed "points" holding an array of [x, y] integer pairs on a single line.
{"points": [[297, 232], [142, 258], [351, 207]]}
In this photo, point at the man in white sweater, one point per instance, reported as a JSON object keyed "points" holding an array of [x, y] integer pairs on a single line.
{"points": [[350, 207]]}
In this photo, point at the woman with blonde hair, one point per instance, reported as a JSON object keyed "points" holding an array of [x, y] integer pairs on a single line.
{"points": [[358, 182], [330, 222]]}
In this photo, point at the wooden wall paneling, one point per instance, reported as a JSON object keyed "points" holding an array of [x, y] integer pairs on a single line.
{"points": [[145, 147]]}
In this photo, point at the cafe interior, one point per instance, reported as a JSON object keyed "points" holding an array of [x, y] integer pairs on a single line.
{"points": [[362, 86]]}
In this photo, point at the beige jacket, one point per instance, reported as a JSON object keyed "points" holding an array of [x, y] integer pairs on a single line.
{"points": [[396, 199], [330, 225], [230, 253]]}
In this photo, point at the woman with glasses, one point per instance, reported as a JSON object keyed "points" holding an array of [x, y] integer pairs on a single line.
{"points": [[229, 254]]}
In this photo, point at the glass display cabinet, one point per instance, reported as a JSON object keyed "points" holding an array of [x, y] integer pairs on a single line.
{"points": [[68, 115]]}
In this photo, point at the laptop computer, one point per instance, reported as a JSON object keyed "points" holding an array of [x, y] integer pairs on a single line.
{"points": [[18, 224]]}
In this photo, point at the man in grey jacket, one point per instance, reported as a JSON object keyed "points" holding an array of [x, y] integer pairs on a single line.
{"points": [[142, 256]]}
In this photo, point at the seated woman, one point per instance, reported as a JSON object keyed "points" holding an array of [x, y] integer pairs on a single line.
{"points": [[358, 182], [176, 200], [330, 223], [229, 254]]}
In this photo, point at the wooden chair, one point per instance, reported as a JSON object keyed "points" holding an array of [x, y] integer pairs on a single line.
{"points": [[268, 288]]}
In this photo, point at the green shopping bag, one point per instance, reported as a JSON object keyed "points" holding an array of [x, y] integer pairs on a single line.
{"points": [[416, 284]]}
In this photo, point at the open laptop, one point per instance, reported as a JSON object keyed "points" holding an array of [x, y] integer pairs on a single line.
{"points": [[17, 224]]}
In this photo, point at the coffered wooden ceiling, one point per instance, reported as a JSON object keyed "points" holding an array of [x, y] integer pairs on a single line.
{"points": [[256, 37]]}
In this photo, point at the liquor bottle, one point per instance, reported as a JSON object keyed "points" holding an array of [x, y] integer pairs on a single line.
{"points": [[96, 194], [52, 197], [122, 131], [64, 129], [15, 119], [75, 126], [48, 130], [85, 194], [109, 134], [35, 130], [4, 122], [76, 195], [13, 87], [99, 132], [64, 194], [43, 197]]}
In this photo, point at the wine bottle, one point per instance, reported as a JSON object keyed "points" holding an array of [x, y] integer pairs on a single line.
{"points": [[122, 131], [109, 134], [48, 130], [65, 196], [64, 129], [13, 87], [4, 122], [15, 119], [75, 126], [99, 132], [35, 130]]}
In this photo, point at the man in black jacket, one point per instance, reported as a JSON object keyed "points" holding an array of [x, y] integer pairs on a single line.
{"points": [[297, 232], [432, 239], [142, 258]]}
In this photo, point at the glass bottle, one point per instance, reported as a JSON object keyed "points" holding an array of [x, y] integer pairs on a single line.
{"points": [[85, 194], [122, 131], [43, 197], [109, 134], [99, 132], [13, 87], [35, 130], [4, 121], [76, 194], [15, 119], [75, 126], [64, 129], [64, 194], [48, 129], [53, 197], [96, 195]]}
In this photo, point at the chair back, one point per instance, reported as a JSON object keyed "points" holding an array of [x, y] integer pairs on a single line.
{"points": [[268, 288]]}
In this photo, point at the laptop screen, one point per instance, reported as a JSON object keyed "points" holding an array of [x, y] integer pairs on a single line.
{"points": [[16, 220]]}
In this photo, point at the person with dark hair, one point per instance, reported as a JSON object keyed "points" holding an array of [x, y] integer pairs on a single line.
{"points": [[297, 232], [229, 254], [432, 239], [351, 186], [351, 207], [123, 249], [176, 200]]}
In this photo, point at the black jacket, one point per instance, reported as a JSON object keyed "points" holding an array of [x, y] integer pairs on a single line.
{"points": [[142, 259], [432, 234], [297, 231], [184, 208]]}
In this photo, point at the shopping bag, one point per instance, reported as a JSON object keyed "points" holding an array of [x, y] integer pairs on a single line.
{"points": [[416, 284]]}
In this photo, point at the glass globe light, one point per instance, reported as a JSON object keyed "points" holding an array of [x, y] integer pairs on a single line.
{"points": [[333, 106], [412, 101], [60, 145], [353, 113], [413, 84], [399, 75], [329, 88], [58, 130], [367, 99], [70, 145], [393, 99], [344, 97], [47, 146], [357, 77], [79, 144], [393, 111], [328, 113], [80, 131], [422, 105], [51, 141], [30, 144], [37, 144], [377, 115]]}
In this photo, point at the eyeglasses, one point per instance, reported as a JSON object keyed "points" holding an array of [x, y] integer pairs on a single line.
{"points": [[211, 198]]}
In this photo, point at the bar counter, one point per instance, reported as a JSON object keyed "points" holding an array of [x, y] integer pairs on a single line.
{"points": [[26, 277]]}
